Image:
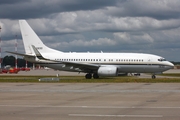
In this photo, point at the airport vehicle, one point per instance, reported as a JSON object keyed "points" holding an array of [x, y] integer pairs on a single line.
{"points": [[3, 70], [14, 70], [94, 64]]}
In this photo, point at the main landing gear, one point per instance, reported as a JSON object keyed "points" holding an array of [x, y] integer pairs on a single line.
{"points": [[153, 76], [89, 76]]}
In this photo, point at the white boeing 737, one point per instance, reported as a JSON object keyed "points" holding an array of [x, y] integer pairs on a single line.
{"points": [[94, 64]]}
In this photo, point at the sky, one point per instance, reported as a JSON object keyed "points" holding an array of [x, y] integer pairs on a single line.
{"points": [[137, 26]]}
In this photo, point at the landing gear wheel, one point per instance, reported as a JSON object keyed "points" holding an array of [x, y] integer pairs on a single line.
{"points": [[95, 76], [88, 76], [153, 76]]}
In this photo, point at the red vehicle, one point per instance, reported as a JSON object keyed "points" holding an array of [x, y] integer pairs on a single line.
{"points": [[23, 69], [13, 70], [27, 69], [4, 71], [17, 69]]}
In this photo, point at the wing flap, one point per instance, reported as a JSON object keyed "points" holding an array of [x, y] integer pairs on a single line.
{"points": [[81, 65]]}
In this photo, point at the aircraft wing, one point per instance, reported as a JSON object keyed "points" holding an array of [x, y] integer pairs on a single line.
{"points": [[81, 67], [72, 65]]}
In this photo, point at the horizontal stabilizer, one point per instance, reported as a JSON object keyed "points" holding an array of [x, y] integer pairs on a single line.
{"points": [[20, 54]]}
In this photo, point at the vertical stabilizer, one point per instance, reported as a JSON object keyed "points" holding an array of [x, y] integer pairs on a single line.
{"points": [[30, 38]]}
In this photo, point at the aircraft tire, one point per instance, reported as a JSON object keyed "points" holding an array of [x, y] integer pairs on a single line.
{"points": [[88, 76], [95, 76], [153, 76]]}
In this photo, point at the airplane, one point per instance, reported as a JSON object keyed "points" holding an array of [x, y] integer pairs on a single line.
{"points": [[93, 64]]}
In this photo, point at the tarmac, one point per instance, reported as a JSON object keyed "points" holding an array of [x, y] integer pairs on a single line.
{"points": [[51, 72], [44, 72], [89, 101]]}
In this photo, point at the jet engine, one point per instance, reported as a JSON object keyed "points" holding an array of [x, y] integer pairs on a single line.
{"points": [[108, 71]]}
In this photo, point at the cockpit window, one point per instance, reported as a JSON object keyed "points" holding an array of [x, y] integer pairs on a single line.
{"points": [[162, 59]]}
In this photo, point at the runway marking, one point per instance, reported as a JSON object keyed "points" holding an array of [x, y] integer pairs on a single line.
{"points": [[90, 107], [99, 115], [90, 91]]}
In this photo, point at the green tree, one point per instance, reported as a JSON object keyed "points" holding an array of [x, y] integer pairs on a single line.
{"points": [[10, 60]]}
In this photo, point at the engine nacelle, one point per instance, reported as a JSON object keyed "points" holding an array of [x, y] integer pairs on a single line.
{"points": [[108, 71]]}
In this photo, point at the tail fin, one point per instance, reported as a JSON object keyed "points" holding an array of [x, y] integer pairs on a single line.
{"points": [[30, 38]]}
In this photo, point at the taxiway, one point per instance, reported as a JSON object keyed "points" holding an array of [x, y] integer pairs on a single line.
{"points": [[89, 101]]}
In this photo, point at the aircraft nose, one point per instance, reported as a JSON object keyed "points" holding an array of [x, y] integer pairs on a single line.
{"points": [[171, 66]]}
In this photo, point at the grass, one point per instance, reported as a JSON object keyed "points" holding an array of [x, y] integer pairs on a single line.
{"points": [[81, 79], [171, 74]]}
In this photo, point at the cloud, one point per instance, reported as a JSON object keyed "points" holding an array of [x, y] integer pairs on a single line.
{"points": [[150, 26], [157, 9], [6, 2], [127, 38], [85, 44], [9, 29], [41, 9]]}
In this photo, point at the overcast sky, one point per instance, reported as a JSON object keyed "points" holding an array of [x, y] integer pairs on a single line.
{"points": [[143, 26]]}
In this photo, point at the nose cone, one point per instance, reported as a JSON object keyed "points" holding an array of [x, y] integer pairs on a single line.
{"points": [[170, 65]]}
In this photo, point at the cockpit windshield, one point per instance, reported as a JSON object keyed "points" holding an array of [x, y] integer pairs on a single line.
{"points": [[162, 59]]}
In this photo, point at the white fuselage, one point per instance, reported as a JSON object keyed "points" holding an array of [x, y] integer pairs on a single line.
{"points": [[125, 62]]}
